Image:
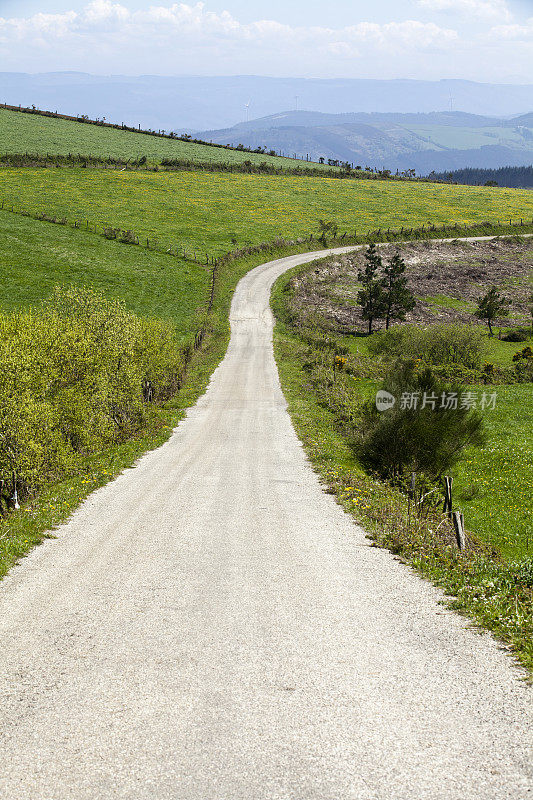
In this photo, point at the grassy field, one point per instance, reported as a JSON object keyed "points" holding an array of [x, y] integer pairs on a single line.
{"points": [[205, 212], [21, 133], [493, 484], [467, 138], [36, 256]]}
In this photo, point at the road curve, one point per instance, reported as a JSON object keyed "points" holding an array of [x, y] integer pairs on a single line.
{"points": [[212, 626]]}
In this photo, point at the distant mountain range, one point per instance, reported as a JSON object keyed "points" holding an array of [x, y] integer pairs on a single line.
{"points": [[438, 141], [189, 104]]}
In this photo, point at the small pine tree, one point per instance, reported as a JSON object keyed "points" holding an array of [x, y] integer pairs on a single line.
{"points": [[491, 306], [398, 298], [416, 437], [371, 296], [530, 302], [326, 228]]}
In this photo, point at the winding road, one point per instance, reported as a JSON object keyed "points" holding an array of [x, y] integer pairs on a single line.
{"points": [[212, 626]]}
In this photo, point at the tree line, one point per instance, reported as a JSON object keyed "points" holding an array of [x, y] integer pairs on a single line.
{"points": [[513, 177]]}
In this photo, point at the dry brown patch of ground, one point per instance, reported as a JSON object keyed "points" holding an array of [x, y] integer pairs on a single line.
{"points": [[446, 278]]}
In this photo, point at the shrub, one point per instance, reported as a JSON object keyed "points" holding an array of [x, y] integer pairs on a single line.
{"points": [[128, 237], [516, 336], [410, 437], [72, 378], [439, 344], [456, 373], [523, 371]]}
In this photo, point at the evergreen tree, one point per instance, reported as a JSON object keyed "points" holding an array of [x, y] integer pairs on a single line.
{"points": [[398, 298], [326, 228], [491, 306], [371, 296]]}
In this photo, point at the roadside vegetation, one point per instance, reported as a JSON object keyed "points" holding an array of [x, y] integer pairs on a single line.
{"points": [[331, 371]]}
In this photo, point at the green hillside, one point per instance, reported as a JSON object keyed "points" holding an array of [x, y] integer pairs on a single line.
{"points": [[35, 257], [208, 213], [32, 133]]}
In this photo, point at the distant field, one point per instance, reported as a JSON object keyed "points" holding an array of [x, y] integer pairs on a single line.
{"points": [[35, 257], [204, 212], [21, 133], [467, 138]]}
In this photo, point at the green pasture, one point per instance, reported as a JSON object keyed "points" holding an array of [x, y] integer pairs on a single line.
{"points": [[493, 484], [204, 212], [36, 256], [447, 136], [21, 133]]}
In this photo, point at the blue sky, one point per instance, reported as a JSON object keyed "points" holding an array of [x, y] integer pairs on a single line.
{"points": [[487, 40]]}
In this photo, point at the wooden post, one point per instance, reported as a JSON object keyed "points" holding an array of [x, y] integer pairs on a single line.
{"points": [[448, 482], [459, 525], [412, 493]]}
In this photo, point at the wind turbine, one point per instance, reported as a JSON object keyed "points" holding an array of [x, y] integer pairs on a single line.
{"points": [[247, 107]]}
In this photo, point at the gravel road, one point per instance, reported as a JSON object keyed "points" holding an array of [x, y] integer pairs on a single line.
{"points": [[212, 626]]}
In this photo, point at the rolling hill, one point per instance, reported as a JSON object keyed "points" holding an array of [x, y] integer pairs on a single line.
{"points": [[34, 133], [424, 142], [187, 211]]}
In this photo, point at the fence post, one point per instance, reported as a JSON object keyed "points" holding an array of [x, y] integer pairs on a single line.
{"points": [[412, 493], [448, 483], [459, 525]]}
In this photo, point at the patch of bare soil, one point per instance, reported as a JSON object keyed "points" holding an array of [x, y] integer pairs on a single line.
{"points": [[447, 280]]}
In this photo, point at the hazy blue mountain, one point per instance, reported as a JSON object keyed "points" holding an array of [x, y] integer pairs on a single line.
{"points": [[424, 142], [314, 119], [186, 104]]}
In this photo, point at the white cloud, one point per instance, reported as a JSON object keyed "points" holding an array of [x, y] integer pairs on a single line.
{"points": [[102, 12], [479, 9], [182, 23], [520, 33], [176, 38], [408, 35]]}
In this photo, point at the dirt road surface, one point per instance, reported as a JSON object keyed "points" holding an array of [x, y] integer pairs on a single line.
{"points": [[212, 626]]}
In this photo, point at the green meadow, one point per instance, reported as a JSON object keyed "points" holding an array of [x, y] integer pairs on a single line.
{"points": [[36, 256], [32, 133], [493, 484], [209, 212]]}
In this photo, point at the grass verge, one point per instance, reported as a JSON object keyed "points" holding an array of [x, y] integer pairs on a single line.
{"points": [[493, 593]]}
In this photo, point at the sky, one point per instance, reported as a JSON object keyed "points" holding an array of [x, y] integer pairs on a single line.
{"points": [[483, 40]]}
